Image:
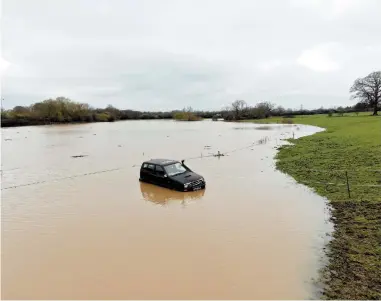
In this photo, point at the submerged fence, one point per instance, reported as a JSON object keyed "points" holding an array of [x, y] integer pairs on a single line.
{"points": [[353, 183]]}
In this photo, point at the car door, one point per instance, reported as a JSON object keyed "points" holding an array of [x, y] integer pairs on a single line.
{"points": [[147, 173], [160, 176], [144, 172]]}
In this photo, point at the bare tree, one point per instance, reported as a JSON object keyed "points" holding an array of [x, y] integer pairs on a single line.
{"points": [[226, 113], [279, 110], [238, 108], [265, 108], [368, 90]]}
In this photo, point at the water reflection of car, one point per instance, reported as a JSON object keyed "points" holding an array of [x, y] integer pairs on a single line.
{"points": [[162, 196], [171, 174]]}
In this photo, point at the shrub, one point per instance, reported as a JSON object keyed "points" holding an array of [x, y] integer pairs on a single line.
{"points": [[287, 121], [89, 118], [111, 118], [186, 116], [289, 116], [102, 117]]}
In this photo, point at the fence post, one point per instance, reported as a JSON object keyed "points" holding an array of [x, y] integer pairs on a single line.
{"points": [[348, 189]]}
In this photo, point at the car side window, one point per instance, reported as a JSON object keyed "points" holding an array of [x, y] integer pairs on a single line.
{"points": [[145, 165], [159, 170], [151, 167]]}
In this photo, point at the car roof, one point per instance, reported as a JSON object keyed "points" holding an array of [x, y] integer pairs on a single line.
{"points": [[161, 161]]}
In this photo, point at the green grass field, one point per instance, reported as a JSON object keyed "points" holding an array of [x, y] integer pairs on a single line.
{"points": [[350, 144]]}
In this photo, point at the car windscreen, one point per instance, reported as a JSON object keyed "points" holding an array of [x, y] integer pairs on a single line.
{"points": [[174, 169]]}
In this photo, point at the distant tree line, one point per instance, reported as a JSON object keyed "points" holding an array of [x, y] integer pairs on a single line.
{"points": [[366, 90], [64, 110], [240, 110]]}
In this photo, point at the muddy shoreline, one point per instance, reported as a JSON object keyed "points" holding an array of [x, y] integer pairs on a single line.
{"points": [[353, 270]]}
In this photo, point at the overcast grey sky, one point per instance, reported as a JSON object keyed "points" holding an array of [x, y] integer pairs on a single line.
{"points": [[167, 54]]}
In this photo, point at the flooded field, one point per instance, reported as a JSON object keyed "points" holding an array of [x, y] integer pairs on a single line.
{"points": [[80, 234]]}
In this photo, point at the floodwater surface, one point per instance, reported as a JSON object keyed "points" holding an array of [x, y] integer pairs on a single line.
{"points": [[86, 228]]}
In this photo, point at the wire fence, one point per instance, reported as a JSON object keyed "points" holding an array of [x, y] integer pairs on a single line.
{"points": [[352, 183], [350, 180], [61, 179]]}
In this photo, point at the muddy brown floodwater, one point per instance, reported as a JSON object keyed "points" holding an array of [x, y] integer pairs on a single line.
{"points": [[252, 234]]}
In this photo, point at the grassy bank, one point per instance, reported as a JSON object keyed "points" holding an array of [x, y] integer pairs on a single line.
{"points": [[350, 144]]}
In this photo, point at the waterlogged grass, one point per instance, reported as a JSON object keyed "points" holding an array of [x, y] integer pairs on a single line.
{"points": [[350, 144]]}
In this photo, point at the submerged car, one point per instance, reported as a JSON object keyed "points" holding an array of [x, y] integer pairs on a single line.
{"points": [[171, 174]]}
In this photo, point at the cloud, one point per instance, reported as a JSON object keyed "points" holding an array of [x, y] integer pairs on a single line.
{"points": [[322, 58], [168, 54], [4, 65], [340, 7], [328, 8], [270, 65]]}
